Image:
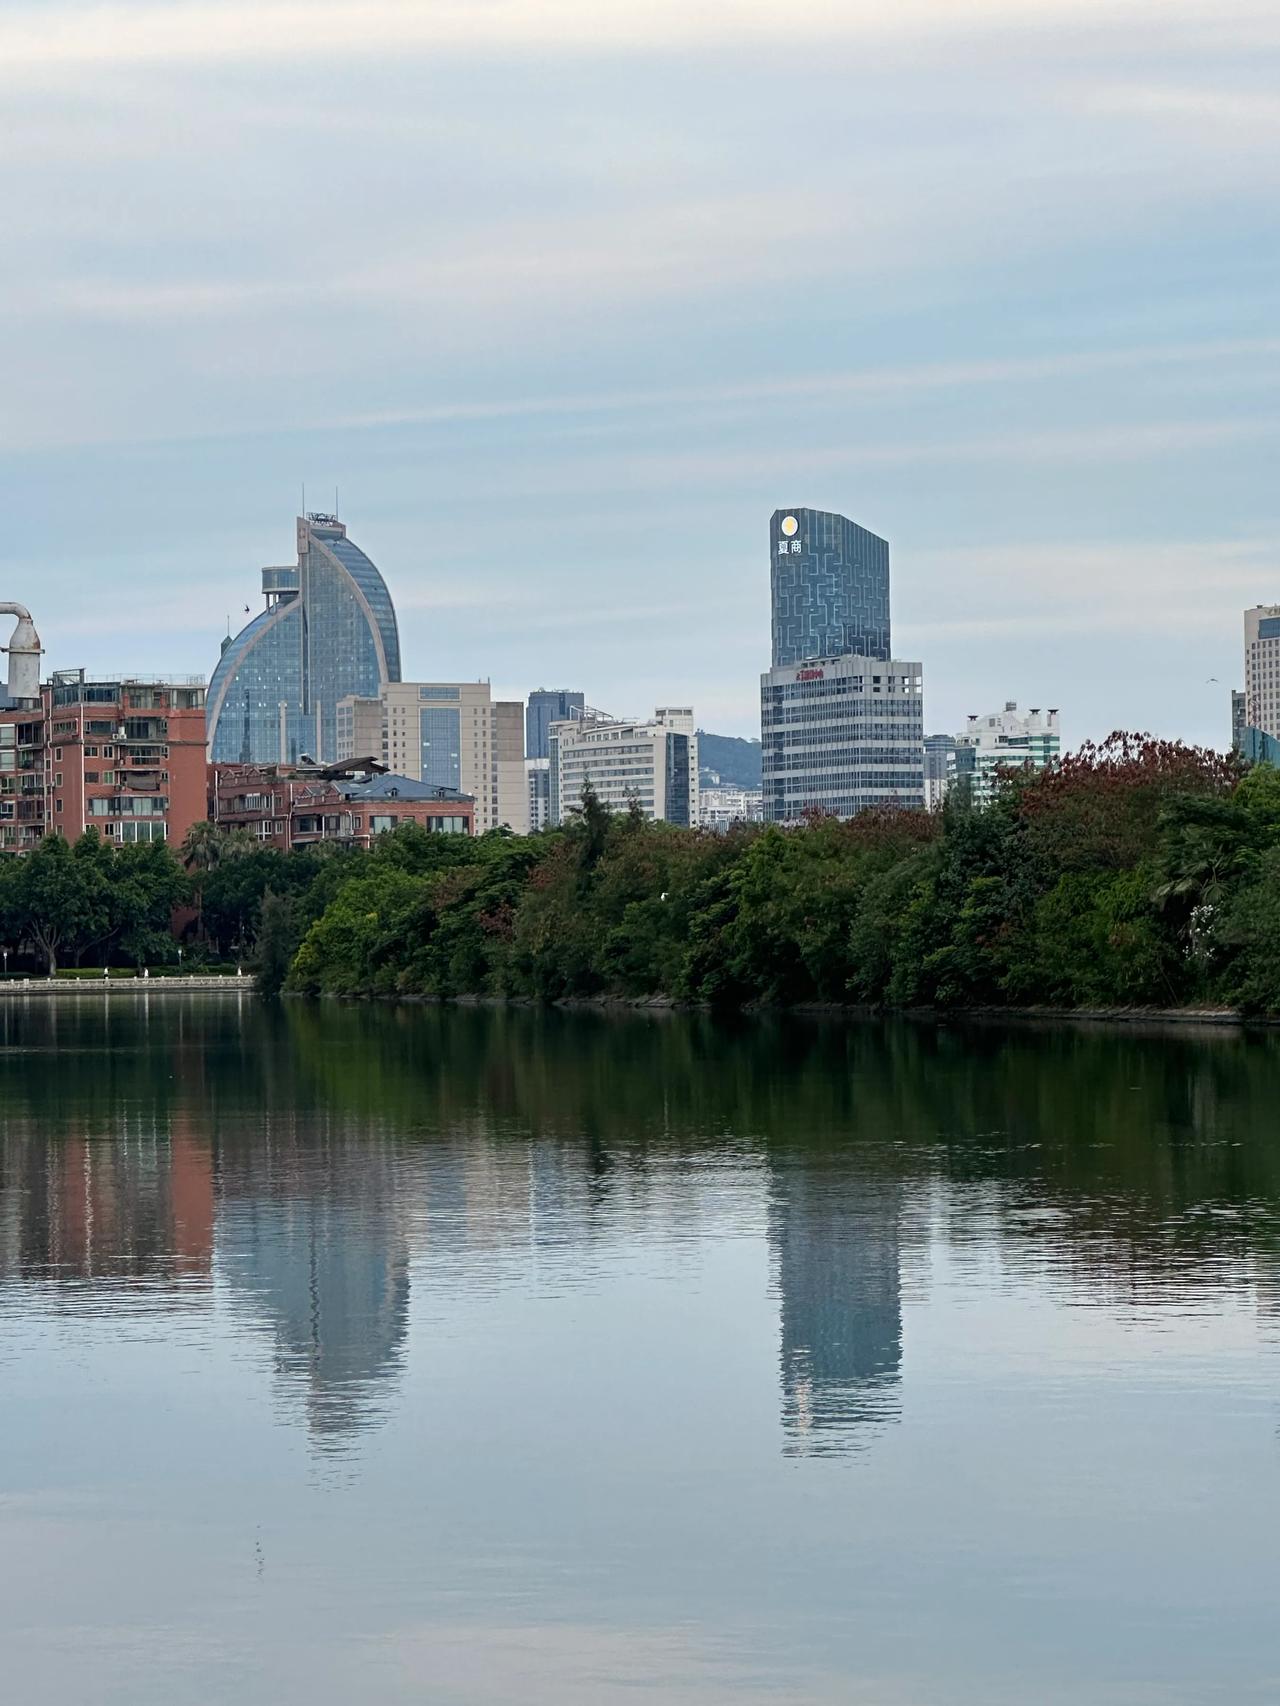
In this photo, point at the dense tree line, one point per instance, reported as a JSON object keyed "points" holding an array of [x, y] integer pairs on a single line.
{"points": [[1138, 873], [92, 902]]}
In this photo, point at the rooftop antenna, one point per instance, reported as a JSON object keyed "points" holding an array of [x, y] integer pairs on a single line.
{"points": [[304, 500], [336, 511]]}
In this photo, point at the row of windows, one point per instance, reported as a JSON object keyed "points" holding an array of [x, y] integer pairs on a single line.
{"points": [[805, 781]]}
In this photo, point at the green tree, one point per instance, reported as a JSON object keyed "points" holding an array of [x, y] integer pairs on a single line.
{"points": [[277, 941], [61, 896]]}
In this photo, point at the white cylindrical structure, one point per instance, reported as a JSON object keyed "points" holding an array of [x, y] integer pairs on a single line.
{"points": [[24, 655]]}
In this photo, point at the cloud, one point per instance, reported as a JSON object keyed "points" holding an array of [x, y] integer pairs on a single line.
{"points": [[1143, 587], [58, 37]]}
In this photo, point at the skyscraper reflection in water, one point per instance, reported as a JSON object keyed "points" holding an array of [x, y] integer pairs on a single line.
{"points": [[834, 1243], [312, 1235]]}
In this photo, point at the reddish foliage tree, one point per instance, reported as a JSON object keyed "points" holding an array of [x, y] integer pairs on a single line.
{"points": [[890, 826], [1099, 806]]}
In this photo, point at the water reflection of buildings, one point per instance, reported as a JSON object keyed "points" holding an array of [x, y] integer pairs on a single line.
{"points": [[313, 1237], [137, 1206], [834, 1238]]}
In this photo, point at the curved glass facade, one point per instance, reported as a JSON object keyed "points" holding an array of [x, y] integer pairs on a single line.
{"points": [[275, 692]]}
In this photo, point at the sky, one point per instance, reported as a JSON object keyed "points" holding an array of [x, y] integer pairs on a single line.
{"points": [[565, 297]]}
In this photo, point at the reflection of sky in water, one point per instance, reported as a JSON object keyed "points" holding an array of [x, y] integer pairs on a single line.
{"points": [[659, 1363]]}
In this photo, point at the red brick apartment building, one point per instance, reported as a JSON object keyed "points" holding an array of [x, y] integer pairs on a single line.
{"points": [[288, 808], [22, 778], [124, 757]]}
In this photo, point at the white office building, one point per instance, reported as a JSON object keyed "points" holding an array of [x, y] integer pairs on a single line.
{"points": [[1004, 740], [451, 734], [1262, 668], [723, 806], [841, 734], [653, 764]]}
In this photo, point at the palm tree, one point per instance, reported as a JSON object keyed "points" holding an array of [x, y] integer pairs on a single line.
{"points": [[207, 845], [202, 848]]}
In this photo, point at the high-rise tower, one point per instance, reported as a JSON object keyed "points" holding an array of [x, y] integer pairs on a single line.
{"points": [[841, 721], [830, 583], [328, 632]]}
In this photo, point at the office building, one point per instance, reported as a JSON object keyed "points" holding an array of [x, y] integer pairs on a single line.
{"points": [[939, 763], [841, 722], [830, 587], [538, 774], [1262, 668], [546, 706], [328, 632], [840, 735], [721, 806], [1005, 740], [447, 734], [651, 764], [288, 808], [125, 757]]}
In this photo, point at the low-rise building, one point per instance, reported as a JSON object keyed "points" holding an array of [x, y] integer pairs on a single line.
{"points": [[288, 808], [653, 765]]}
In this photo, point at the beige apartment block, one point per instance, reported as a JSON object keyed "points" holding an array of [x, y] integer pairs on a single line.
{"points": [[453, 734]]}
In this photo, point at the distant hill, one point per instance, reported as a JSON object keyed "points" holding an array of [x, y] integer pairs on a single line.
{"points": [[738, 761]]}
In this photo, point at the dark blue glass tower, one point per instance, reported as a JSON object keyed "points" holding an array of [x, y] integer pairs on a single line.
{"points": [[830, 582], [329, 630], [546, 706]]}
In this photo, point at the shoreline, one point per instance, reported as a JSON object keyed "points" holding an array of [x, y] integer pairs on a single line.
{"points": [[52, 989], [1216, 1018], [1212, 1018]]}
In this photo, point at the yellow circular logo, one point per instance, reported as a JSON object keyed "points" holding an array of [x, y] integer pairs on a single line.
{"points": [[790, 525]]}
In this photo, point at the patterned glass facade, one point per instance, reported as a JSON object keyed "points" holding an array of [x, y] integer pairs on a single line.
{"points": [[329, 635], [830, 585]]}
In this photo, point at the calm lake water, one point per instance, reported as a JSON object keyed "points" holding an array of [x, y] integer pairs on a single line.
{"points": [[479, 1357]]}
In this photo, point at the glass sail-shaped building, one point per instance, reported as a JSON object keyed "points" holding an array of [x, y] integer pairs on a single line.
{"points": [[328, 631]]}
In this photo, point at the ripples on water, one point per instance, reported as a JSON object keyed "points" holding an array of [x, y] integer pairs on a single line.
{"points": [[472, 1356]]}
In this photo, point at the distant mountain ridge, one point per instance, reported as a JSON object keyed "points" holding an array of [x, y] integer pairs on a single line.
{"points": [[736, 760]]}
